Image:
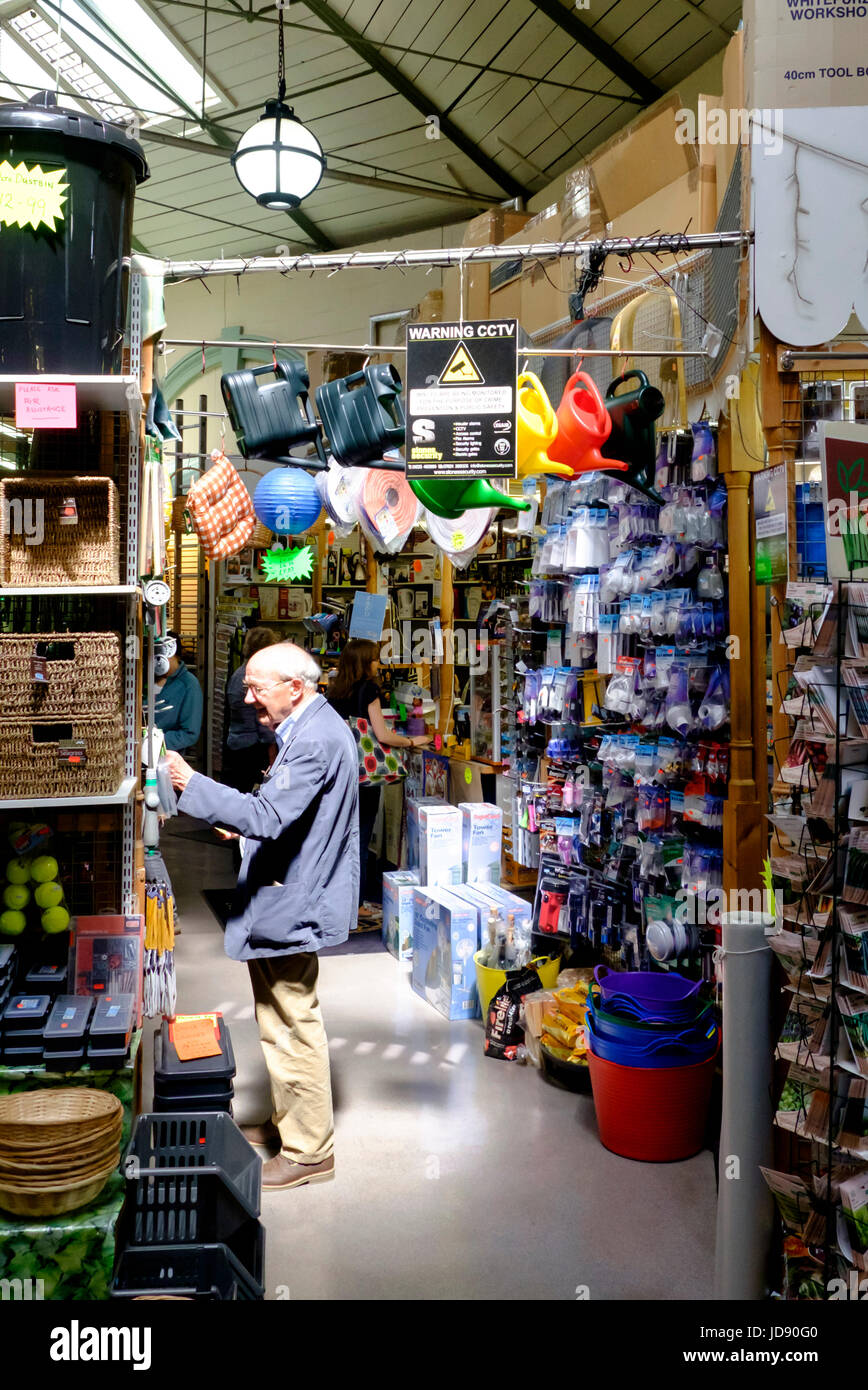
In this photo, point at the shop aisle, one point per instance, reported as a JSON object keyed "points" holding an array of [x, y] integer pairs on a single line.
{"points": [[456, 1177]]}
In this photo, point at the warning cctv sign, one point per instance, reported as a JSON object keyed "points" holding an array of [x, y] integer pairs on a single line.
{"points": [[460, 384]]}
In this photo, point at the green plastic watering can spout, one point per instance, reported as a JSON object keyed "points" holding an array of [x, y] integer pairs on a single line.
{"points": [[450, 497]]}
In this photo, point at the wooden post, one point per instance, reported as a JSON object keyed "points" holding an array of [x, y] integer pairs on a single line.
{"points": [[745, 836]]}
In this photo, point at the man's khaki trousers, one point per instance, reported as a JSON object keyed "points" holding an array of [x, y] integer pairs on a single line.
{"points": [[296, 1053]]}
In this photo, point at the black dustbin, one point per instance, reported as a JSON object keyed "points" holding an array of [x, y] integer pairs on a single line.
{"points": [[63, 291]]}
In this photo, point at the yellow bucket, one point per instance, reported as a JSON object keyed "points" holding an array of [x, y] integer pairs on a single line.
{"points": [[489, 981]]}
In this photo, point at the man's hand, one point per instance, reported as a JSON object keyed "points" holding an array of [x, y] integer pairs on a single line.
{"points": [[179, 771]]}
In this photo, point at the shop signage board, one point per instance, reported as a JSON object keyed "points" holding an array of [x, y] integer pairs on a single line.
{"points": [[770, 525], [460, 393], [844, 467], [805, 53], [46, 405]]}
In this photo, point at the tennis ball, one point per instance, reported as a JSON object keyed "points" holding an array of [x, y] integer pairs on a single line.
{"points": [[55, 919], [48, 895], [12, 923], [16, 896], [44, 869], [18, 870]]}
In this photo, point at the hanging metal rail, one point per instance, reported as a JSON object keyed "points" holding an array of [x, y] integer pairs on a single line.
{"points": [[373, 349], [677, 243]]}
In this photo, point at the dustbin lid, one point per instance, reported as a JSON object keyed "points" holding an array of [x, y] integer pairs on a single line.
{"points": [[42, 113]]}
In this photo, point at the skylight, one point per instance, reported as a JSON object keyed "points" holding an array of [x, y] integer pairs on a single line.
{"points": [[22, 70], [111, 54], [74, 71]]}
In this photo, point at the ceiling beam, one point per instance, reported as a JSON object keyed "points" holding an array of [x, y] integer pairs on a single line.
{"points": [[411, 93], [690, 8], [588, 39], [442, 194]]}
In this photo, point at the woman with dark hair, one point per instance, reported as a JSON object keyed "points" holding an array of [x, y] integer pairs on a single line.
{"points": [[354, 694], [247, 744]]}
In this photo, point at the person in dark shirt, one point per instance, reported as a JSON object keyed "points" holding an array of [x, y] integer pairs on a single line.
{"points": [[178, 703], [353, 694], [247, 744]]}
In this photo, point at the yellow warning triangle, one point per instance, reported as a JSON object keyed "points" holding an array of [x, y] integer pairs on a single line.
{"points": [[461, 369]]}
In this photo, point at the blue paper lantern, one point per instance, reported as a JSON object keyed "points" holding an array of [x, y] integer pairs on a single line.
{"points": [[286, 500]]}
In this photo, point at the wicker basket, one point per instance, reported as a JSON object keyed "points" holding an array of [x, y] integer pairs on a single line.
{"points": [[36, 547], [63, 1115], [261, 538], [54, 1201], [43, 1143], [26, 1166], [33, 761], [82, 675]]}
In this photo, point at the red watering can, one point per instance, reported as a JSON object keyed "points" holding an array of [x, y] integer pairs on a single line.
{"points": [[584, 425]]}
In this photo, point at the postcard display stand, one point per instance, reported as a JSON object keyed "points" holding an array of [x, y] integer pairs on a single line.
{"points": [[820, 858]]}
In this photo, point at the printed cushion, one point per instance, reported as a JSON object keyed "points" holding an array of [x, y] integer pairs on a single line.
{"points": [[221, 509]]}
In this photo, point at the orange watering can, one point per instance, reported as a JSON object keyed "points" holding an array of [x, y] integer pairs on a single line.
{"points": [[536, 428], [584, 425]]}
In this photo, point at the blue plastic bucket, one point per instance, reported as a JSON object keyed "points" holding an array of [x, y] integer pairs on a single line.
{"points": [[679, 1050], [649, 994], [633, 1031]]}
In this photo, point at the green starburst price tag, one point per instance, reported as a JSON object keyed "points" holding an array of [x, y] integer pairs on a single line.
{"points": [[283, 566]]}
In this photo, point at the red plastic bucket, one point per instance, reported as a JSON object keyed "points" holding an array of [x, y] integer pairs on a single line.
{"points": [[653, 1114]]}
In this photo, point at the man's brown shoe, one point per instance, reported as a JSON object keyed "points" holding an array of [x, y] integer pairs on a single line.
{"points": [[281, 1172], [262, 1136]]}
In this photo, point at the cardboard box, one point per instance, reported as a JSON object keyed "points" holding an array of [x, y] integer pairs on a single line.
{"points": [[546, 286], [481, 841], [398, 912], [826, 54], [642, 159], [670, 210], [507, 902], [444, 942], [434, 841], [472, 893], [488, 229]]}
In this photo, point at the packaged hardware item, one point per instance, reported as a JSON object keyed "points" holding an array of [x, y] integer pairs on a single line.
{"points": [[398, 912], [444, 941], [482, 836], [504, 1031]]}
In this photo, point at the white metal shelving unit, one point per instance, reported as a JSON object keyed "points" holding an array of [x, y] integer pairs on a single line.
{"points": [[115, 394]]}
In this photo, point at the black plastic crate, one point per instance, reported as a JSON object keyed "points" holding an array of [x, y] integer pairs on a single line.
{"points": [[220, 1101], [190, 1178], [26, 1013], [200, 1075], [191, 1086], [207, 1272], [66, 1028], [112, 1024], [47, 979]]}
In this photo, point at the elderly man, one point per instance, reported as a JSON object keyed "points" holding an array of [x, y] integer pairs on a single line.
{"points": [[297, 892]]}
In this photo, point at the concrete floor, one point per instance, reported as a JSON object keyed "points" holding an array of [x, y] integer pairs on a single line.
{"points": [[456, 1177]]}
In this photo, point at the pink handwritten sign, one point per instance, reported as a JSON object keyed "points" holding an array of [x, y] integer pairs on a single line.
{"points": [[45, 405]]}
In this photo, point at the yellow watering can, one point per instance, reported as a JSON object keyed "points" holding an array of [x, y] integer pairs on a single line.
{"points": [[536, 429]]}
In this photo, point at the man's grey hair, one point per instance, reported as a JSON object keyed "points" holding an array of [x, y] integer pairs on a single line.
{"points": [[290, 661]]}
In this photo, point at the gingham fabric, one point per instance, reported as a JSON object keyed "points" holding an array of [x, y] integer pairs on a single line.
{"points": [[221, 510]]}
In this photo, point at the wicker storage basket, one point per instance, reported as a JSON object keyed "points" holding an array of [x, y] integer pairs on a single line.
{"points": [[87, 552], [33, 761], [54, 1201], [82, 675], [63, 1115], [261, 538]]}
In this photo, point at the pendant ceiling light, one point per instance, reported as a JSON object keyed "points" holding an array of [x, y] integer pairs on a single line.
{"points": [[278, 160]]}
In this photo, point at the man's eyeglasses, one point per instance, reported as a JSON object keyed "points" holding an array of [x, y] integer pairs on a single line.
{"points": [[264, 689]]}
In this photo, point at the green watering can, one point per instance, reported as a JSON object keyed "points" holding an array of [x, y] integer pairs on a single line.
{"points": [[633, 440], [363, 416], [449, 497]]}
